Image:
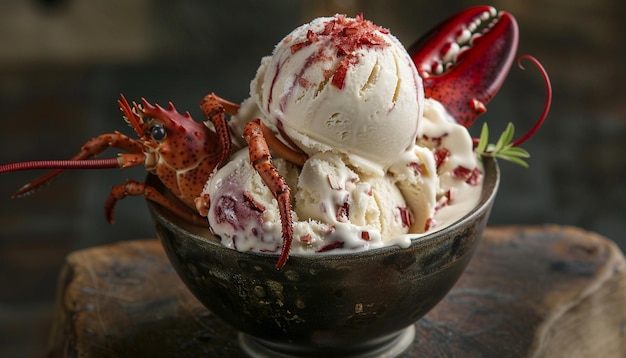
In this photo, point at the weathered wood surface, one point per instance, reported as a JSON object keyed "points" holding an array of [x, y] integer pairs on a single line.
{"points": [[529, 292]]}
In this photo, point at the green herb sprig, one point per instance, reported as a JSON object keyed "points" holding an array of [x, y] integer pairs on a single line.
{"points": [[504, 148]]}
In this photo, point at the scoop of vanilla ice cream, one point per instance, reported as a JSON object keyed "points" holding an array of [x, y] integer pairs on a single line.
{"points": [[344, 85], [243, 212], [365, 207], [458, 169]]}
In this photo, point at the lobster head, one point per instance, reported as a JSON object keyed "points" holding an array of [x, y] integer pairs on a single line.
{"points": [[464, 60], [169, 138]]}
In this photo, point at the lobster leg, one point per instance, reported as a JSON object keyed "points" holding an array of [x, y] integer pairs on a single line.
{"points": [[285, 152], [260, 159], [135, 188], [90, 149], [214, 108]]}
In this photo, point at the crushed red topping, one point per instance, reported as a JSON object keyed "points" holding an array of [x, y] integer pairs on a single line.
{"points": [[347, 35], [450, 194], [441, 203], [470, 176], [405, 216], [343, 213], [306, 239], [474, 179], [461, 172], [332, 246], [440, 156], [430, 223], [418, 168], [445, 199], [436, 141]]}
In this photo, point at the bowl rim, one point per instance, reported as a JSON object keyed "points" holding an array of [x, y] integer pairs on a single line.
{"points": [[488, 194]]}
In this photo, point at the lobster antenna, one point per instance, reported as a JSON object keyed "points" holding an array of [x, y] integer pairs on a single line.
{"points": [[61, 164], [58, 166], [546, 107]]}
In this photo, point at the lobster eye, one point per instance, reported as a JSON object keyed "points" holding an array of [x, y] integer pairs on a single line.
{"points": [[158, 132]]}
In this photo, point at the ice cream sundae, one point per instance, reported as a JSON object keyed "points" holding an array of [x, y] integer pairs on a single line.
{"points": [[382, 162]]}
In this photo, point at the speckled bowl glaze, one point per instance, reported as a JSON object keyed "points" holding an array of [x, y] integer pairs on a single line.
{"points": [[360, 304]]}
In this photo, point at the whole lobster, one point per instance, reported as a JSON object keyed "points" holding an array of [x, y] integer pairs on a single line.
{"points": [[463, 63]]}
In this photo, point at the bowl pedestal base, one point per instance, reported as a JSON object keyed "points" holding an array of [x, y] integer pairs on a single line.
{"points": [[388, 347]]}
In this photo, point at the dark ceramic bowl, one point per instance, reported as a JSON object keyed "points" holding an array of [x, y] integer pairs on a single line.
{"points": [[357, 305]]}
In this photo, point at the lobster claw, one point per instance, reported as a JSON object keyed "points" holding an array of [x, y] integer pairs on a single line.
{"points": [[464, 60]]}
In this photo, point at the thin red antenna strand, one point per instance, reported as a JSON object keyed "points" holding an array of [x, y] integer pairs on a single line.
{"points": [[546, 107], [58, 166], [61, 164]]}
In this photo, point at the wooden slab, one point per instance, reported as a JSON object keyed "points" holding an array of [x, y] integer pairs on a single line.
{"points": [[529, 292]]}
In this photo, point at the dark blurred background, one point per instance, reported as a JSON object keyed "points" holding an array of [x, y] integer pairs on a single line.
{"points": [[63, 64]]}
